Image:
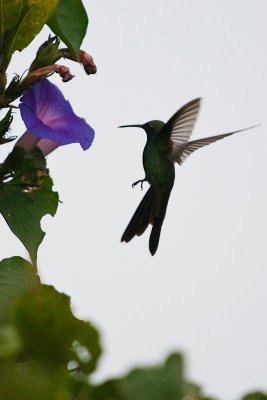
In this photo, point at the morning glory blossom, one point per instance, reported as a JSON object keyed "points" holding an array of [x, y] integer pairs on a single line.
{"points": [[50, 120]]}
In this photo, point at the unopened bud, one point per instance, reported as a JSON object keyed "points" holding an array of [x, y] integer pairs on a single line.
{"points": [[44, 72], [64, 72], [87, 62], [47, 54], [17, 86], [84, 58]]}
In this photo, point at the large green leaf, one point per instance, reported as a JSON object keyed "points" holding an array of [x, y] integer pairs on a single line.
{"points": [[51, 334], [69, 22], [23, 213], [10, 12], [26, 196], [17, 277], [30, 25]]}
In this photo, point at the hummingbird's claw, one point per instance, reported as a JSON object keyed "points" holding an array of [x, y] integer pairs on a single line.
{"points": [[139, 181]]}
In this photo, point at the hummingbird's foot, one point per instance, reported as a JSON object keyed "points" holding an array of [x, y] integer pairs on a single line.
{"points": [[140, 181]]}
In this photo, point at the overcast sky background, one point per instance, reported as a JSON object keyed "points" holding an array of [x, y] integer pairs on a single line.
{"points": [[204, 292]]}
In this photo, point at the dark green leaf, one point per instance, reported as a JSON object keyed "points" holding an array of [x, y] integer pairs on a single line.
{"points": [[17, 277], [23, 213], [155, 383], [44, 321], [26, 196], [51, 334], [69, 22]]}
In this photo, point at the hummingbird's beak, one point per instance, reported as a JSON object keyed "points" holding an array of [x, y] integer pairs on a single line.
{"points": [[130, 126]]}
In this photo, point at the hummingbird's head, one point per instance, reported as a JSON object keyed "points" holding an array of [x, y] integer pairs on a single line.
{"points": [[151, 127]]}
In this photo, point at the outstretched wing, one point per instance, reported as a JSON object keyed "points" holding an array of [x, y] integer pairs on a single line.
{"points": [[181, 155], [180, 126]]}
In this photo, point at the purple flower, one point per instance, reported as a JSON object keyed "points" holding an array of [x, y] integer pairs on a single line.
{"points": [[50, 120]]}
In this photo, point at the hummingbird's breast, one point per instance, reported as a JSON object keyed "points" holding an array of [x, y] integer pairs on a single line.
{"points": [[158, 168]]}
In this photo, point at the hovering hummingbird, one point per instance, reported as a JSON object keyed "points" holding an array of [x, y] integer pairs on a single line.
{"points": [[166, 144]]}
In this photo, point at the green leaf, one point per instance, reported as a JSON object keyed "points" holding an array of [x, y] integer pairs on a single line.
{"points": [[30, 25], [10, 12], [51, 334], [255, 396], [17, 277], [5, 126], [157, 383], [69, 22], [26, 196], [44, 322], [23, 213], [31, 381]]}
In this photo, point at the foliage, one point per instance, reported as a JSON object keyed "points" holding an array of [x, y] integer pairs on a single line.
{"points": [[26, 196], [30, 17], [156, 383], [59, 22]]}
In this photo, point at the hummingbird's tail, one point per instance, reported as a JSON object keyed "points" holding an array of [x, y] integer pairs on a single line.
{"points": [[152, 209]]}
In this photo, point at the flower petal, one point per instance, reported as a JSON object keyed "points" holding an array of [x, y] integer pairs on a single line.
{"points": [[47, 114]]}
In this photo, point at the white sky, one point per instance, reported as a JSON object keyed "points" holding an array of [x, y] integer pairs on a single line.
{"points": [[204, 292]]}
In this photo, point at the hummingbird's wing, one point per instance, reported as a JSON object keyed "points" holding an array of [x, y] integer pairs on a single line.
{"points": [[180, 126], [194, 145]]}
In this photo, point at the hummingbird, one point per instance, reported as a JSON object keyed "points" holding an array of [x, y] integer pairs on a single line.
{"points": [[167, 143]]}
